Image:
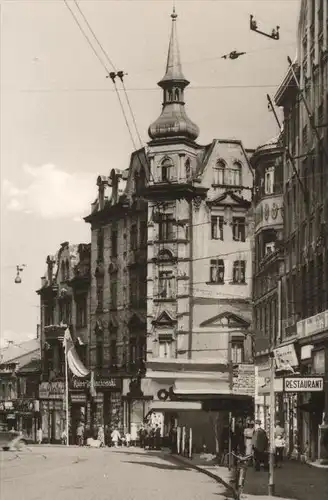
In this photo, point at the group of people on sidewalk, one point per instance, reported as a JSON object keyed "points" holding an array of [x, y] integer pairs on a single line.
{"points": [[253, 441]]}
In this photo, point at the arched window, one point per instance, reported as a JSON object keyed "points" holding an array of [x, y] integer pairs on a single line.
{"points": [[170, 95], [176, 95], [166, 165], [235, 174], [165, 254], [219, 172], [188, 169]]}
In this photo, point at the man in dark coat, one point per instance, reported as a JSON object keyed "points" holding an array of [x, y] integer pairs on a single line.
{"points": [[260, 446]]}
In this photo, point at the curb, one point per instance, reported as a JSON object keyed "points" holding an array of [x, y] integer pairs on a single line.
{"points": [[213, 476]]}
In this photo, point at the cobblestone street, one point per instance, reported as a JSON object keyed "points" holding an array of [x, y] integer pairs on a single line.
{"points": [[104, 474]]}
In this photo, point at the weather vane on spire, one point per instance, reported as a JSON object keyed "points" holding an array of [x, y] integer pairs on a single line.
{"points": [[174, 15]]}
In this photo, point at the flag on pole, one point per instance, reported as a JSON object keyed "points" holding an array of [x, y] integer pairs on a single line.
{"points": [[93, 391], [74, 363]]}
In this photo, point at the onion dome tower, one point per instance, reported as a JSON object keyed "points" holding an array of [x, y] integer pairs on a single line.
{"points": [[173, 121]]}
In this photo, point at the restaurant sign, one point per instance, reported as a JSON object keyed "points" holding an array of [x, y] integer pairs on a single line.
{"points": [[101, 384], [303, 384], [51, 390]]}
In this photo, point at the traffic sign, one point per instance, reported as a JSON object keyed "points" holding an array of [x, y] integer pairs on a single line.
{"points": [[303, 384]]}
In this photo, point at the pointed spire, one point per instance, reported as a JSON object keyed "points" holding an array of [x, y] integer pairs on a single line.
{"points": [[173, 64], [173, 121]]}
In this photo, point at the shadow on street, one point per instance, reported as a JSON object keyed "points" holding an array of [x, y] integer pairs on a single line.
{"points": [[159, 466]]}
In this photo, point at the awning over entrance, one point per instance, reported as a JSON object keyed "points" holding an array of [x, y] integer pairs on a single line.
{"points": [[201, 387], [175, 405]]}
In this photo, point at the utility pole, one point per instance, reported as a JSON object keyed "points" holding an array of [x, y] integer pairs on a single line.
{"points": [[272, 413]]}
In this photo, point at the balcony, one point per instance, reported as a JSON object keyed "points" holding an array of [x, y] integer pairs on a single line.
{"points": [[54, 332]]}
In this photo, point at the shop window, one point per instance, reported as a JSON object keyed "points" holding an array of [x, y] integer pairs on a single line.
{"points": [[217, 271], [217, 227]]}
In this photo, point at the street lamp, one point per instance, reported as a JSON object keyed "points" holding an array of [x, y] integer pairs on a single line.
{"points": [[19, 269]]}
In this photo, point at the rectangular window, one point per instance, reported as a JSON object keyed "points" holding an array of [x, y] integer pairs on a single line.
{"points": [[217, 227], [100, 245], [217, 271], [114, 243], [134, 237], [166, 227], [81, 311], [269, 180], [113, 290], [113, 352], [100, 294], [237, 351], [143, 234], [238, 228], [99, 354], [239, 268], [269, 248], [166, 284], [165, 349]]}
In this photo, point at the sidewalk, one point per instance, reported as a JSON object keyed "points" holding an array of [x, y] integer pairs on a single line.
{"points": [[294, 481]]}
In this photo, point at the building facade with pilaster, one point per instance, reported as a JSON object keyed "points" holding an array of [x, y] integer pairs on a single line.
{"points": [[303, 95], [64, 302]]}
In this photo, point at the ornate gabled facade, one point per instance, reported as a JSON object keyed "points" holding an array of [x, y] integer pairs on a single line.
{"points": [[199, 253], [118, 293], [64, 301]]}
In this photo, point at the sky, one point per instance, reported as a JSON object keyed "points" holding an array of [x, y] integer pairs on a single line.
{"points": [[62, 126]]}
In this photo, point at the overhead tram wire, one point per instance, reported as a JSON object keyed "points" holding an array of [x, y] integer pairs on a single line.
{"points": [[113, 76]]}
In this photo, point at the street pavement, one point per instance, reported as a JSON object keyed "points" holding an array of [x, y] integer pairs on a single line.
{"points": [[294, 481], [51, 473]]}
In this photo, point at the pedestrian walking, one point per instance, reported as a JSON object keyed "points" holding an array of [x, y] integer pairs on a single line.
{"points": [[40, 435], [279, 444], [101, 436], [134, 434], [107, 436], [116, 436], [80, 434], [248, 437], [63, 437], [157, 437], [173, 439], [142, 436], [127, 439], [260, 446]]}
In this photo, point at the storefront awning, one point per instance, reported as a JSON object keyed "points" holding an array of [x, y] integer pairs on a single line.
{"points": [[175, 405], [201, 387]]}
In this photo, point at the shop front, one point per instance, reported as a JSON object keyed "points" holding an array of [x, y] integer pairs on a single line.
{"points": [[103, 408], [135, 404], [53, 410], [313, 345], [21, 415]]}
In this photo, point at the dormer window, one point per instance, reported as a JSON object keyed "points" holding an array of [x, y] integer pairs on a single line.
{"points": [[235, 174], [219, 171], [166, 166]]}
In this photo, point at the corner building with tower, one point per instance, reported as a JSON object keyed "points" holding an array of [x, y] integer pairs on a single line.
{"points": [[179, 262]]}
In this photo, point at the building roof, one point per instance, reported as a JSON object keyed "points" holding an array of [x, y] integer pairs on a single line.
{"points": [[14, 352], [173, 121], [32, 366]]}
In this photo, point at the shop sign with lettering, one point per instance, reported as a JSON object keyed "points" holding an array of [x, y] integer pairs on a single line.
{"points": [[51, 390], [78, 397], [285, 357], [101, 384], [313, 325], [303, 384]]}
